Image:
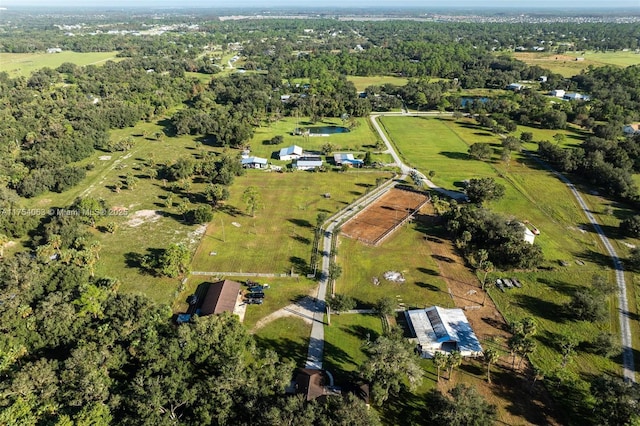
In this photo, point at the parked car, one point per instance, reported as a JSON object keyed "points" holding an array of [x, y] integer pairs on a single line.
{"points": [[253, 301], [255, 296]]}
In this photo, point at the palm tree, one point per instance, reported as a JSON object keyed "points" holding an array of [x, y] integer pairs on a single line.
{"points": [[490, 357], [440, 361], [454, 359]]}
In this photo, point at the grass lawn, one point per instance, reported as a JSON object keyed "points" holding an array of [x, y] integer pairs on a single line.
{"points": [[532, 194], [289, 337], [566, 64], [345, 340], [358, 140], [405, 252], [23, 64], [362, 83], [280, 236]]}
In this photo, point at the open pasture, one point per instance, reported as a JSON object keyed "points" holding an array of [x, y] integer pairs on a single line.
{"points": [[567, 64], [380, 218], [23, 64], [362, 83], [279, 238], [533, 194]]}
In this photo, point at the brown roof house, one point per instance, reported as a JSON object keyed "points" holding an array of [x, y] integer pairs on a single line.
{"points": [[311, 383], [220, 297]]}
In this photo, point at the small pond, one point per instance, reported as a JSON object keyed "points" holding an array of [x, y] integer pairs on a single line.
{"points": [[322, 130], [467, 100]]}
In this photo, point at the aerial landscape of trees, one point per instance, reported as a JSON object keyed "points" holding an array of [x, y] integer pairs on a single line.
{"points": [[75, 349]]}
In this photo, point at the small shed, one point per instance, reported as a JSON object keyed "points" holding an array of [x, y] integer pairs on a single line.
{"points": [[292, 152], [254, 163], [516, 87], [308, 163]]}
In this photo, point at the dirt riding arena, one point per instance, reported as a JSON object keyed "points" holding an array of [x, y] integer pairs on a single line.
{"points": [[383, 216]]}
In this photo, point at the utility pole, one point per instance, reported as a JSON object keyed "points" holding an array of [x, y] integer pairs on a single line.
{"points": [[224, 240]]}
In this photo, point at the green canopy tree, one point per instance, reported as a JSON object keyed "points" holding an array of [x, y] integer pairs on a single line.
{"points": [[252, 199], [391, 361]]}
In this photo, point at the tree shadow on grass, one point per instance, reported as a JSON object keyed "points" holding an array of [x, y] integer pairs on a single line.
{"points": [[363, 333], [299, 265], [287, 348], [427, 286], [301, 239], [595, 257], [542, 308], [406, 408], [428, 271], [301, 222], [230, 210], [559, 286], [337, 356], [524, 400], [456, 155]]}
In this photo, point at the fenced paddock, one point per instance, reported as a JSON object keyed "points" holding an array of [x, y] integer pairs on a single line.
{"points": [[376, 222]]}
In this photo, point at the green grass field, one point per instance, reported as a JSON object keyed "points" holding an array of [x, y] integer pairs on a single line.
{"points": [[279, 237], [567, 65], [345, 340], [531, 194], [405, 252], [362, 83], [289, 337], [23, 64]]}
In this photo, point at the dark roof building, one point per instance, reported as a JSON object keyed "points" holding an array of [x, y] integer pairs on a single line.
{"points": [[311, 383], [221, 297]]}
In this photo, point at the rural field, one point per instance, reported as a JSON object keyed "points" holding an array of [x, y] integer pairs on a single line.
{"points": [[280, 236], [567, 65], [357, 140], [362, 83], [532, 194], [23, 64]]}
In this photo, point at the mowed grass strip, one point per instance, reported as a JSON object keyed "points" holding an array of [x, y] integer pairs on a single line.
{"points": [[345, 341], [567, 65], [23, 64], [289, 337], [279, 238]]}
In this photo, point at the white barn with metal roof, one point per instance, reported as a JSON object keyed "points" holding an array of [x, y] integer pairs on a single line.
{"points": [[439, 329], [290, 153]]}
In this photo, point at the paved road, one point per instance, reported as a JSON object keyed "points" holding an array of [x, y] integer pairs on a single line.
{"points": [[316, 342], [628, 364]]}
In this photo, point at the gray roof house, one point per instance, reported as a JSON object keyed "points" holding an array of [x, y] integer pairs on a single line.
{"points": [[254, 163], [290, 153], [307, 163]]}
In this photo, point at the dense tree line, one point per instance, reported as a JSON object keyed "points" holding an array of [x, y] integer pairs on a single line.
{"points": [[606, 164]]}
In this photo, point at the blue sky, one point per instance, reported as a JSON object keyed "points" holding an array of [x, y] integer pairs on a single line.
{"points": [[437, 4]]}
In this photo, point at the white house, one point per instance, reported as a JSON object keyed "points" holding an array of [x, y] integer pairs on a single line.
{"points": [[254, 163], [307, 163], [631, 129], [558, 93], [439, 329], [341, 158], [54, 50], [529, 236], [542, 79], [290, 153], [575, 97], [516, 87]]}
